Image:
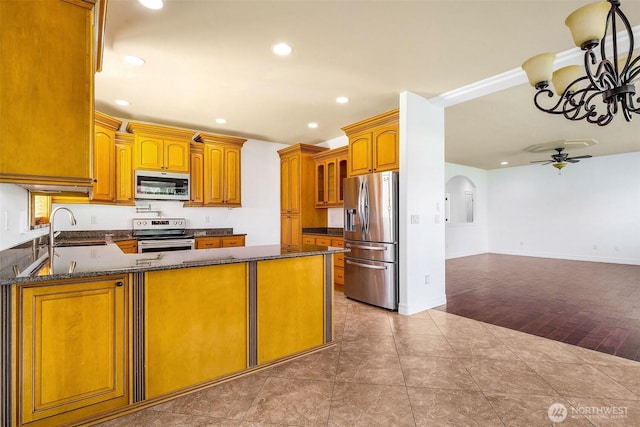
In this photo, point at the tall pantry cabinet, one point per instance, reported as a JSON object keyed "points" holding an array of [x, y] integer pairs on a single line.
{"points": [[297, 193]]}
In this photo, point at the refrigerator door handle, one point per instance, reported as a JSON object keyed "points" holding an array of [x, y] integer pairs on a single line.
{"points": [[373, 267], [363, 220], [366, 206], [371, 248]]}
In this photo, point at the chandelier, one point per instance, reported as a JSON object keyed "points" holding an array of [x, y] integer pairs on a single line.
{"points": [[609, 85]]}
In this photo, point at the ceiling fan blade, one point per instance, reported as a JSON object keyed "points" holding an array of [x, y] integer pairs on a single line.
{"points": [[572, 160], [544, 162], [579, 157]]}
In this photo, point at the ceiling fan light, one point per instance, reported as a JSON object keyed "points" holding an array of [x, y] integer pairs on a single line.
{"points": [[539, 69], [588, 24], [563, 77], [559, 165]]}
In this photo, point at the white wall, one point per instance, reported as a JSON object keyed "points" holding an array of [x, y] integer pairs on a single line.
{"points": [[422, 245], [591, 212], [14, 217], [472, 238]]}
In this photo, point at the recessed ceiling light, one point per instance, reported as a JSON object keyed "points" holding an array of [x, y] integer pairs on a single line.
{"points": [[313, 125], [133, 60], [122, 102], [152, 4], [282, 49], [504, 163], [342, 100], [221, 121]]}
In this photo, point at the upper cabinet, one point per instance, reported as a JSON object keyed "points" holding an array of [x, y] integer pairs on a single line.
{"points": [[46, 76], [124, 169], [104, 157], [374, 144], [196, 168], [161, 148], [221, 171], [331, 169]]}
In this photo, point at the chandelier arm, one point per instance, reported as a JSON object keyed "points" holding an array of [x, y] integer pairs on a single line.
{"points": [[631, 72], [626, 112], [627, 26], [549, 93]]}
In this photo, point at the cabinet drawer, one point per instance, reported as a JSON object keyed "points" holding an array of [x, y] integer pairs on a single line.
{"points": [[337, 242], [307, 240], [323, 241], [338, 260], [208, 242], [228, 242], [338, 275]]}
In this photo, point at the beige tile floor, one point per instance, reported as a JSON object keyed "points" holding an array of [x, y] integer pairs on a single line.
{"points": [[429, 369]]}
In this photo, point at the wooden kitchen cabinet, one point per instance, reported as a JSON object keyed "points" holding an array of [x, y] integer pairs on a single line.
{"points": [[211, 242], [222, 161], [374, 144], [196, 169], [297, 199], [128, 246], [161, 148], [196, 323], [74, 349], [104, 158], [290, 297], [331, 169], [338, 259], [46, 100], [290, 230], [124, 169]]}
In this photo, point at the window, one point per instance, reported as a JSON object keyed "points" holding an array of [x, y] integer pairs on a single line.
{"points": [[40, 209]]}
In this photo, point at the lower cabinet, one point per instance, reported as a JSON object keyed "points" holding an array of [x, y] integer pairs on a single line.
{"points": [[128, 246], [196, 326], [338, 259], [290, 306], [219, 242], [73, 352]]}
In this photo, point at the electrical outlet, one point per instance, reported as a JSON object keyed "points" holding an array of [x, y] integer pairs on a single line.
{"points": [[207, 219], [94, 219], [415, 219], [427, 279]]}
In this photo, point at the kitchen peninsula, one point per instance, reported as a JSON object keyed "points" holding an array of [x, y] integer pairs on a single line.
{"points": [[101, 332]]}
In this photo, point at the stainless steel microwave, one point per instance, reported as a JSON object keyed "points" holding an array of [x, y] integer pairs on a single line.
{"points": [[161, 185]]}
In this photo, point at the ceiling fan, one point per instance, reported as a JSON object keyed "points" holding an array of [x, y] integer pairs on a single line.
{"points": [[561, 159]]}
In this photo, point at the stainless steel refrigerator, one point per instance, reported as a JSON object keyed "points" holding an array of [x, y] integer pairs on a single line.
{"points": [[371, 233]]}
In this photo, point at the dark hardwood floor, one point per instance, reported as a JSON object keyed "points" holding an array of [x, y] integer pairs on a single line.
{"points": [[588, 304]]}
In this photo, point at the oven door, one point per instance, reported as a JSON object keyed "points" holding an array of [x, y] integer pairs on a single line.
{"points": [[165, 245]]}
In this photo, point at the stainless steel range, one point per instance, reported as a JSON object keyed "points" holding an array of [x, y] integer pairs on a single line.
{"points": [[162, 234]]}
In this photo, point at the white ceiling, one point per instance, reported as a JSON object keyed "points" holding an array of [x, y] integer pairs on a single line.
{"points": [[207, 59]]}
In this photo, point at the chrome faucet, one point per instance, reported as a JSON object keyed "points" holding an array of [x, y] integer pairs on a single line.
{"points": [[72, 219]]}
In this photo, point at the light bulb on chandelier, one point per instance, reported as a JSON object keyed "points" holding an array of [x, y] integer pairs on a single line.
{"points": [[600, 89]]}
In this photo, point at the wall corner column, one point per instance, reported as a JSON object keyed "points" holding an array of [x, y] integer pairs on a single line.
{"points": [[422, 231]]}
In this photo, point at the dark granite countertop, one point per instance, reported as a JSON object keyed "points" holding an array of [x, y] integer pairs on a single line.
{"points": [[100, 237], [325, 231], [108, 259]]}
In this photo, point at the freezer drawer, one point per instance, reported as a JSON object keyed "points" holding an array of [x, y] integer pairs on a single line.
{"points": [[372, 282], [372, 250]]}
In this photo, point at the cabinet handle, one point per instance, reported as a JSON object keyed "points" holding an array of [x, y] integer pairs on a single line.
{"points": [[119, 284]]}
